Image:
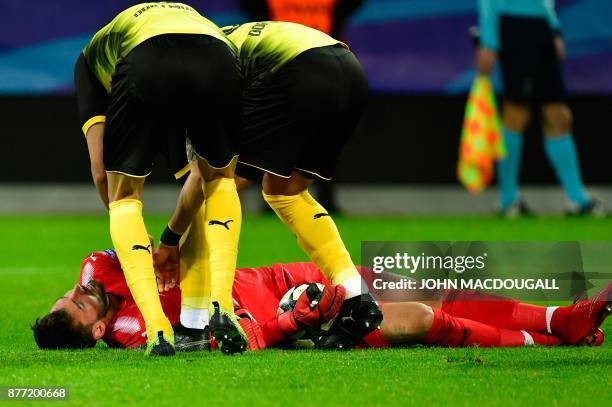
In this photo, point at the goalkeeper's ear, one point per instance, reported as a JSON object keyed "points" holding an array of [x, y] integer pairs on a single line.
{"points": [[98, 329]]}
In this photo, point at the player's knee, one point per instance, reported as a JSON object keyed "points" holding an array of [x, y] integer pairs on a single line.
{"points": [[293, 185], [406, 322], [121, 186], [427, 319], [557, 120], [241, 182], [421, 317], [210, 173], [516, 117]]}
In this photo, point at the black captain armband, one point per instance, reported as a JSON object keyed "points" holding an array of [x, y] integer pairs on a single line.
{"points": [[169, 238]]}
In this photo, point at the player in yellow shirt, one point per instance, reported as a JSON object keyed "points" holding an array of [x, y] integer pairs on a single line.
{"points": [[304, 94], [156, 73]]}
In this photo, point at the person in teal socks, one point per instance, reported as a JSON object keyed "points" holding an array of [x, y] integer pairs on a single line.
{"points": [[525, 35]]}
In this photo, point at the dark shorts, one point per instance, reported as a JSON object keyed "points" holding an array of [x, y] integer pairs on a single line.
{"points": [[300, 117], [169, 87], [530, 66]]}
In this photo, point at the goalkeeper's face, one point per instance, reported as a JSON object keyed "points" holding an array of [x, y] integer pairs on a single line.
{"points": [[85, 303]]}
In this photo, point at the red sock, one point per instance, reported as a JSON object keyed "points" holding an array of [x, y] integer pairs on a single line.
{"points": [[450, 331], [558, 319], [494, 310]]}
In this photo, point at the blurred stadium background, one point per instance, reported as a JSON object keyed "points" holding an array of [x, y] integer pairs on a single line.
{"points": [[419, 61]]}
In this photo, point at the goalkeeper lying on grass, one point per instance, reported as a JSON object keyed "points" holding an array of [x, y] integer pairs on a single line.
{"points": [[100, 306]]}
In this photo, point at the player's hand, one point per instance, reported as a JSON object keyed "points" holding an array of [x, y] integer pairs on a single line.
{"points": [[167, 269], [309, 312], [485, 60], [560, 47]]}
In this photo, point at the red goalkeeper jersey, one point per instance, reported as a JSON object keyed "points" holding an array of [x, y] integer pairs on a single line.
{"points": [[257, 290]]}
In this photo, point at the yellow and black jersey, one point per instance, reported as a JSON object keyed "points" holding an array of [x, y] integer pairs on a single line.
{"points": [[137, 24], [263, 47]]}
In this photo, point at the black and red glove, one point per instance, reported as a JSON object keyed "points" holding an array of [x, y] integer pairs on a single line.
{"points": [[313, 308]]}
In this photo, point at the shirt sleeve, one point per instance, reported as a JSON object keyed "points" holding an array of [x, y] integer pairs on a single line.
{"points": [[551, 15], [272, 332], [488, 21], [92, 98], [300, 273], [104, 267]]}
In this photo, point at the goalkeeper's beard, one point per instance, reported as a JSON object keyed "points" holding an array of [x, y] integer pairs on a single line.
{"points": [[97, 289]]}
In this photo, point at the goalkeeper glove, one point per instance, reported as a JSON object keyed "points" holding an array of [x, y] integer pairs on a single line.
{"points": [[313, 308]]}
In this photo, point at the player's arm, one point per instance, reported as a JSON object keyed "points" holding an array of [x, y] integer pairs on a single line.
{"points": [[555, 25], [308, 312], [166, 257], [189, 202], [488, 22], [92, 101], [300, 273], [552, 18], [94, 136]]}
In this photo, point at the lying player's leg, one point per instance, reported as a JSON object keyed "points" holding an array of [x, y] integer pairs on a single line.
{"points": [[408, 323], [498, 321], [405, 323], [495, 310], [574, 324]]}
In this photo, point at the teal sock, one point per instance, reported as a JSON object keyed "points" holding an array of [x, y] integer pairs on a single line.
{"points": [[508, 169], [561, 152]]}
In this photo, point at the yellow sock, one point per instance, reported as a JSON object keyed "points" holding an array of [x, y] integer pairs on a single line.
{"points": [[222, 221], [195, 276], [131, 242], [316, 233]]}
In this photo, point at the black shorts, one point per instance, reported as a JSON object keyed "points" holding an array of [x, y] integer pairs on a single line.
{"points": [[300, 117], [169, 87], [530, 65]]}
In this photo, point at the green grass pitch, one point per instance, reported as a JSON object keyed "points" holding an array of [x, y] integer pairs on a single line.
{"points": [[40, 258]]}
